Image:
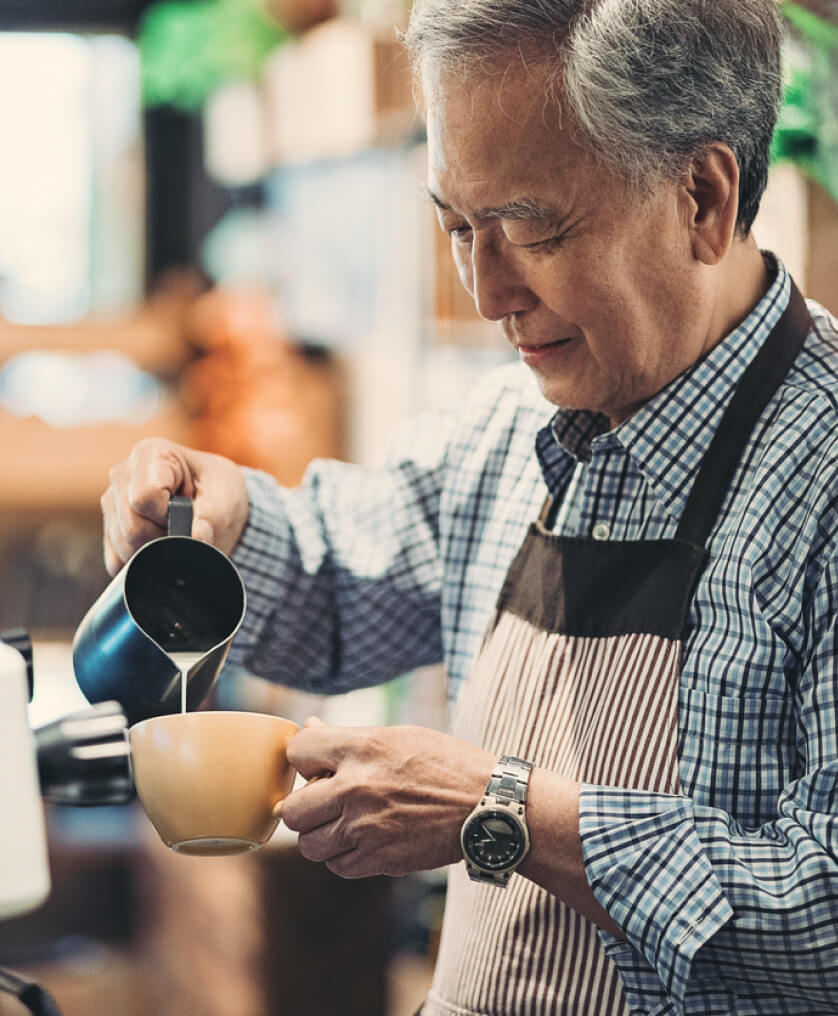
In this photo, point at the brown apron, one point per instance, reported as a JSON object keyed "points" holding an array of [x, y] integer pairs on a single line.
{"points": [[578, 673]]}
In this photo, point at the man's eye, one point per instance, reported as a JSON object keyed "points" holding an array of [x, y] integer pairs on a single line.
{"points": [[548, 246], [461, 234]]}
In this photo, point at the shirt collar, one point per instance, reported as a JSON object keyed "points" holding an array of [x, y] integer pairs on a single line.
{"points": [[668, 436]]}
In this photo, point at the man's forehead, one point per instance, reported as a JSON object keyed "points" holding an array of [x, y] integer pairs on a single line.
{"points": [[488, 164]]}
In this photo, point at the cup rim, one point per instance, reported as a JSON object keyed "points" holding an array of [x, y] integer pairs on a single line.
{"points": [[168, 717]]}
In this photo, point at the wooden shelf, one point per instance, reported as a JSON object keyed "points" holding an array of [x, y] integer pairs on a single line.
{"points": [[57, 468], [152, 341]]}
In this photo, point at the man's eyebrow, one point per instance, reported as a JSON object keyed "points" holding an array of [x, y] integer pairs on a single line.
{"points": [[436, 200], [522, 210]]}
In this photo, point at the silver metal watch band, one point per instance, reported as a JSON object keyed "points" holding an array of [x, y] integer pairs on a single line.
{"points": [[510, 779], [507, 789]]}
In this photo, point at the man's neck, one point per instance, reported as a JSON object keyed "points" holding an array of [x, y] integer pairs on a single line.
{"points": [[744, 282]]}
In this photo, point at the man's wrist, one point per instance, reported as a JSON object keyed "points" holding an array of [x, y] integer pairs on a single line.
{"points": [[555, 859]]}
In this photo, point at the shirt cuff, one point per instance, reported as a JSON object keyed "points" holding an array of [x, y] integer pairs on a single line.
{"points": [[646, 866], [260, 556]]}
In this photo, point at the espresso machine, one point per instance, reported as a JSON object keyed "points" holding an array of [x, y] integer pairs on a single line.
{"points": [[80, 759]]}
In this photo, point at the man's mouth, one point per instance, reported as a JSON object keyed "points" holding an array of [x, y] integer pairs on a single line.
{"points": [[526, 349]]}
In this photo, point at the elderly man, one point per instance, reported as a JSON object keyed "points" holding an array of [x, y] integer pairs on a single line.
{"points": [[629, 568]]}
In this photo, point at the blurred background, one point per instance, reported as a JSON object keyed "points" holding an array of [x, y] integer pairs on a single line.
{"points": [[211, 229]]}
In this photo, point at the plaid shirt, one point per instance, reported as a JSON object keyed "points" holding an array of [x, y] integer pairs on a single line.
{"points": [[728, 892]]}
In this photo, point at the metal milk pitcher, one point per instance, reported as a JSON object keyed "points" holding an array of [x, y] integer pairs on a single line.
{"points": [[176, 595]]}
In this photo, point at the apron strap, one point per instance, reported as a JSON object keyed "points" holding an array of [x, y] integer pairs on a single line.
{"points": [[757, 387], [548, 513]]}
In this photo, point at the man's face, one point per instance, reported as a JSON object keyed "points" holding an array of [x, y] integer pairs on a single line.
{"points": [[598, 291]]}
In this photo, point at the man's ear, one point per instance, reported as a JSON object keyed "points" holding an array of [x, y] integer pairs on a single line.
{"points": [[710, 198]]}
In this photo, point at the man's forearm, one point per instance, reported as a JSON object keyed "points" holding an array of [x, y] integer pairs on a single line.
{"points": [[555, 859]]}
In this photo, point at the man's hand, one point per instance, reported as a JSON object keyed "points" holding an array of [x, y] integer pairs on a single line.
{"points": [[390, 800], [135, 505]]}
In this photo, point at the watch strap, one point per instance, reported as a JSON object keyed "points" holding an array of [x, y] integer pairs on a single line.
{"points": [[510, 780], [507, 788], [499, 878]]}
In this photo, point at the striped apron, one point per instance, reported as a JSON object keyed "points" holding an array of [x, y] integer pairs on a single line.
{"points": [[578, 673]]}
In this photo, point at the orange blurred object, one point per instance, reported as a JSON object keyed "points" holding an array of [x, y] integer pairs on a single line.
{"points": [[255, 397], [300, 15]]}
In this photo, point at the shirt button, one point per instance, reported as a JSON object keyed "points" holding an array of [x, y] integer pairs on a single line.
{"points": [[601, 531]]}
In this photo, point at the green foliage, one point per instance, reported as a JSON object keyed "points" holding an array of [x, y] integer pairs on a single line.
{"points": [[813, 28], [807, 130], [190, 47]]}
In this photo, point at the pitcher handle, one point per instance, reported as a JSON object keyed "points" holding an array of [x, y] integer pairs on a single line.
{"points": [[180, 516], [31, 995]]}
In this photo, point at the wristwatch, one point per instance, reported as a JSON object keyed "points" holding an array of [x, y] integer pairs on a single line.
{"points": [[495, 837]]}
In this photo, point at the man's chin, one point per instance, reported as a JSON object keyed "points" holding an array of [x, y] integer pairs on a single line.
{"points": [[562, 394]]}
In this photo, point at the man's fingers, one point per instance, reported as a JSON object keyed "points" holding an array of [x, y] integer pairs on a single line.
{"points": [[203, 530], [319, 846], [324, 843], [136, 504], [114, 548], [158, 465], [351, 864], [134, 511], [113, 561], [122, 538], [318, 749], [157, 471], [314, 805]]}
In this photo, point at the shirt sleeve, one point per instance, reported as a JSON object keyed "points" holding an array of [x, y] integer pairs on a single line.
{"points": [[719, 909], [343, 573]]}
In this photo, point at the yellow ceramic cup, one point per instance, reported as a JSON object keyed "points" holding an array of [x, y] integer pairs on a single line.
{"points": [[212, 782]]}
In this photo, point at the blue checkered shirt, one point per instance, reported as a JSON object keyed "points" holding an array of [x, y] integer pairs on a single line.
{"points": [[727, 892]]}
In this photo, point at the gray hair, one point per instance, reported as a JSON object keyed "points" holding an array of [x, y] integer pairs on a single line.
{"points": [[647, 83]]}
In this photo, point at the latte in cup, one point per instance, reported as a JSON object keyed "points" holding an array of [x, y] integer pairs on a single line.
{"points": [[212, 782]]}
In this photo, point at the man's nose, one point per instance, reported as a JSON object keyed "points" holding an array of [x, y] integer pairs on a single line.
{"points": [[497, 287]]}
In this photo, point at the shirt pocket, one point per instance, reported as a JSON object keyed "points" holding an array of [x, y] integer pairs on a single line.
{"points": [[735, 753]]}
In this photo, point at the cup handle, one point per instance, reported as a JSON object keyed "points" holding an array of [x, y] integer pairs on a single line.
{"points": [[277, 808], [180, 516], [325, 775]]}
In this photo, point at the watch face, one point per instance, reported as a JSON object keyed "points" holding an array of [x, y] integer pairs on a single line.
{"points": [[493, 840]]}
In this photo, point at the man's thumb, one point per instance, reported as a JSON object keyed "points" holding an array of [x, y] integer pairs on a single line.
{"points": [[202, 529]]}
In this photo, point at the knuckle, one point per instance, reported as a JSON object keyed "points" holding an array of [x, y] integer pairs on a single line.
{"points": [[365, 744], [148, 445]]}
